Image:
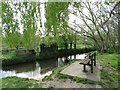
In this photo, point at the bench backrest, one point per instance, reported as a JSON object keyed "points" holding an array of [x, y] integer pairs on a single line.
{"points": [[91, 55]]}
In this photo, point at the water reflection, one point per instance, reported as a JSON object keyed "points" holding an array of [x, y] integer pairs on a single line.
{"points": [[26, 67], [77, 57], [36, 70]]}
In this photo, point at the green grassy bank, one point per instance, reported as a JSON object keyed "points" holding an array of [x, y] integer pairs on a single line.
{"points": [[109, 72], [16, 82], [11, 58]]}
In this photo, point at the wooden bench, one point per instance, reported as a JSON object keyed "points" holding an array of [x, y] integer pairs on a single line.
{"points": [[90, 60]]}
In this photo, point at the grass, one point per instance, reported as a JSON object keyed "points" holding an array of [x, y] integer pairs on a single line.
{"points": [[16, 82], [11, 58], [76, 79], [110, 60], [81, 46], [109, 72], [8, 56], [56, 72]]}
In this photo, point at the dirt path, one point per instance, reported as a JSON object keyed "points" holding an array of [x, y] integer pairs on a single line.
{"points": [[67, 83]]}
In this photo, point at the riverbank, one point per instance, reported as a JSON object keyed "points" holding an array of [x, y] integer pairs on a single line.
{"points": [[109, 72], [108, 76], [11, 58], [63, 53], [17, 82], [59, 80], [24, 56]]}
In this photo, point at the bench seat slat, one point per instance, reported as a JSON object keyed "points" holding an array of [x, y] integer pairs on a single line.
{"points": [[85, 61]]}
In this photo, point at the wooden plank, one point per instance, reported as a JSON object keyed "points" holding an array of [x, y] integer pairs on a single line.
{"points": [[85, 61]]}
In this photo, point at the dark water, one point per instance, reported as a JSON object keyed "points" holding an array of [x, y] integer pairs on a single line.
{"points": [[36, 70]]}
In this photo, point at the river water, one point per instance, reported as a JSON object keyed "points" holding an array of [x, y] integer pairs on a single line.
{"points": [[37, 70]]}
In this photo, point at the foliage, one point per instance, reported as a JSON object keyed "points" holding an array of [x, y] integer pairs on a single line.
{"points": [[30, 27], [8, 56], [16, 82], [57, 22], [10, 25], [109, 72], [55, 12], [98, 26], [18, 17]]}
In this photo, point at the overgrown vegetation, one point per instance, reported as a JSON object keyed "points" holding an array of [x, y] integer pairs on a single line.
{"points": [[109, 72], [16, 82], [8, 56]]}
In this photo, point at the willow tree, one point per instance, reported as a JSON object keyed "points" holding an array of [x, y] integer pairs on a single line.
{"points": [[57, 21], [15, 15], [29, 17], [10, 26]]}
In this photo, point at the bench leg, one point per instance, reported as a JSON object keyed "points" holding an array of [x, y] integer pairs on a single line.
{"points": [[95, 59], [84, 67], [91, 66], [94, 62]]}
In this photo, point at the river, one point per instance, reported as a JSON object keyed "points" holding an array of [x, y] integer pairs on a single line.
{"points": [[37, 70]]}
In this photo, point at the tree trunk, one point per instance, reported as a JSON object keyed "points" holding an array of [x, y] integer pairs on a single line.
{"points": [[75, 46], [70, 45], [66, 46]]}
